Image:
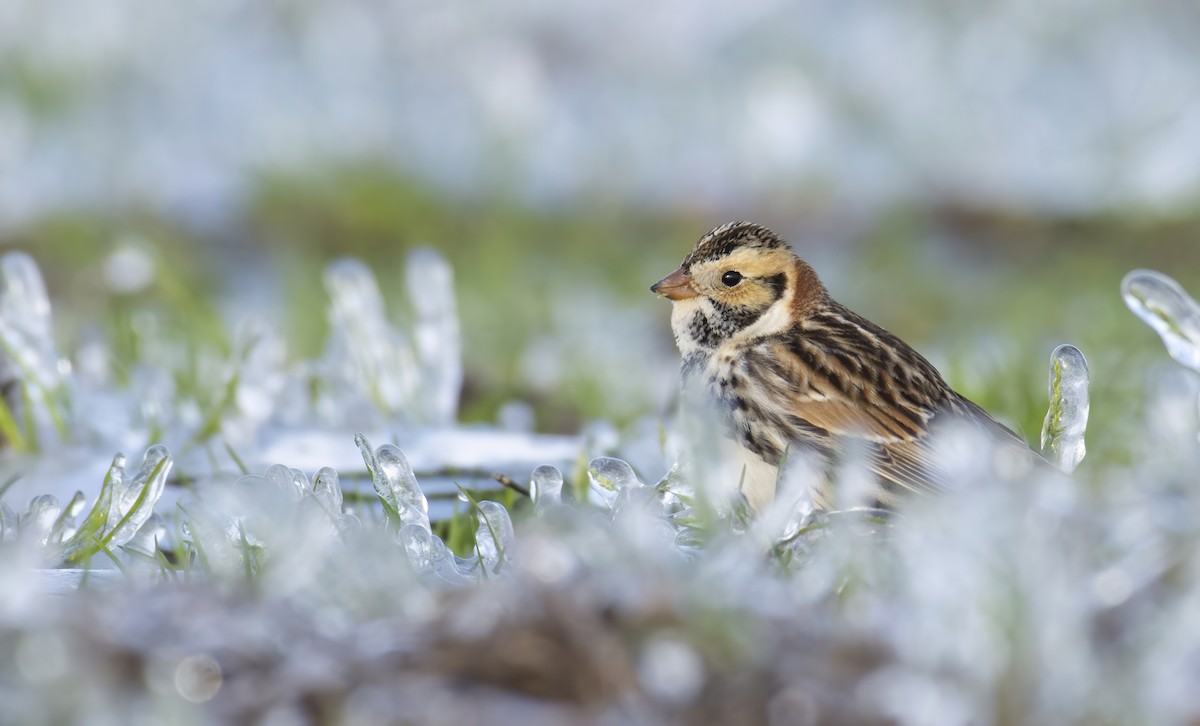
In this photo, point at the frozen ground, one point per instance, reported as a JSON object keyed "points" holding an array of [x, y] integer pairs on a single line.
{"points": [[282, 596]]}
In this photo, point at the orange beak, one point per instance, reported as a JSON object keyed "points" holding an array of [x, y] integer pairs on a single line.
{"points": [[675, 286]]}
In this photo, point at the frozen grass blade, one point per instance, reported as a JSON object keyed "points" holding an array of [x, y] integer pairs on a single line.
{"points": [[241, 465], [194, 541], [9, 428], [382, 488], [153, 477], [545, 487], [66, 519], [1066, 419], [8, 483], [395, 483], [96, 530], [80, 546], [1165, 306], [494, 521], [212, 421]]}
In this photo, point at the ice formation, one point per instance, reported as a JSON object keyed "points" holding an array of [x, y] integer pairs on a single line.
{"points": [[610, 478], [32, 374], [430, 283], [367, 359], [259, 372], [1163, 304], [642, 601], [494, 537], [123, 507], [395, 483], [223, 412], [431, 558], [1066, 419], [545, 486]]}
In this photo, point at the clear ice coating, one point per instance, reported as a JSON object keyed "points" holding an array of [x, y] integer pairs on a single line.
{"points": [[39, 519], [494, 536], [1163, 304], [395, 482], [430, 282], [28, 356], [134, 501], [327, 489], [609, 477], [1066, 419], [366, 357], [122, 508], [148, 537], [545, 485], [291, 482], [261, 359], [430, 557], [65, 527]]}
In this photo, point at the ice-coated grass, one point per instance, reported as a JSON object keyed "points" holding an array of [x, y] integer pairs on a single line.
{"points": [[1066, 418], [1017, 597]]}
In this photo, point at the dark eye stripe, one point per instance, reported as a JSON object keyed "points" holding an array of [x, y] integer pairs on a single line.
{"points": [[778, 285]]}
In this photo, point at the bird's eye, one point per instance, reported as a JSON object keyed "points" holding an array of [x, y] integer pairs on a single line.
{"points": [[731, 278]]}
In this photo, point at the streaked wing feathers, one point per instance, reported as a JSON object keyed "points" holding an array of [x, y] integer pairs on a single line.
{"points": [[890, 411]]}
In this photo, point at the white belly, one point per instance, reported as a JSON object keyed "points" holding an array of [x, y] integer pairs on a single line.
{"points": [[756, 477]]}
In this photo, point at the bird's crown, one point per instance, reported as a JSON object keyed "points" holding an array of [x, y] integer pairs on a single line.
{"points": [[727, 238]]}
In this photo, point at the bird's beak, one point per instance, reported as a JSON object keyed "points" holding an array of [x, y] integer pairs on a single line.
{"points": [[675, 286]]}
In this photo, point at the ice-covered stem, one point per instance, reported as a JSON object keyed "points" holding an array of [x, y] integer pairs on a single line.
{"points": [[1163, 304], [363, 346], [121, 508], [32, 375], [1066, 419], [545, 487], [395, 483], [430, 557], [327, 489], [287, 480], [609, 477], [494, 536], [40, 518], [430, 282]]}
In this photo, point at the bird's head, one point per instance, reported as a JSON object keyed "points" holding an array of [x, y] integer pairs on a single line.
{"points": [[739, 275]]}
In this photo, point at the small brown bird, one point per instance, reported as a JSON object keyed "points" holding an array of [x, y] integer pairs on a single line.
{"points": [[790, 368]]}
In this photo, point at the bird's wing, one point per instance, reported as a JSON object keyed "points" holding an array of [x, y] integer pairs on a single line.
{"points": [[893, 452], [889, 408]]}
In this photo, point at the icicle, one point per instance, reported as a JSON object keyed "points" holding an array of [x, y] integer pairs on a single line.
{"points": [[365, 353], [292, 482], [430, 282], [545, 484], [494, 536], [608, 477], [259, 361], [148, 537], [1163, 305], [141, 495], [1066, 420], [395, 482], [65, 527], [430, 556], [327, 489], [39, 519], [27, 343], [10, 522]]}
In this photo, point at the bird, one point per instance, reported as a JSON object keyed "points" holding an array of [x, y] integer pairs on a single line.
{"points": [[787, 368]]}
